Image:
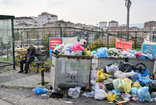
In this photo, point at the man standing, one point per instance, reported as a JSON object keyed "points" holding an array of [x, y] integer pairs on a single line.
{"points": [[28, 58]]}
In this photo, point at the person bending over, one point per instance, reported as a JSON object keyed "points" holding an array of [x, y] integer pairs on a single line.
{"points": [[28, 58]]}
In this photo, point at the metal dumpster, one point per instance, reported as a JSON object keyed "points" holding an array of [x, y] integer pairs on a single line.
{"points": [[99, 63], [70, 71]]}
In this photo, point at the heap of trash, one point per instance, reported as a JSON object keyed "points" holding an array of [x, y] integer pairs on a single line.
{"points": [[78, 50], [118, 82]]}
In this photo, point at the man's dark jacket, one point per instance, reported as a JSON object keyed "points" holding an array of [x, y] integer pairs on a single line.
{"points": [[32, 53]]}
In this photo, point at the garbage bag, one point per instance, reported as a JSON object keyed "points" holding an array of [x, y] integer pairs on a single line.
{"points": [[145, 73], [38, 90], [120, 74], [137, 54], [117, 93], [144, 94], [89, 94], [126, 67], [68, 47], [102, 52], [101, 76], [134, 90], [136, 84], [126, 85], [109, 86], [74, 92], [152, 87], [99, 86], [111, 96], [126, 96], [93, 77], [144, 81], [88, 53], [117, 84], [84, 52], [100, 94], [76, 53], [135, 77], [122, 85], [108, 81], [94, 52], [60, 47], [112, 69], [77, 47]]}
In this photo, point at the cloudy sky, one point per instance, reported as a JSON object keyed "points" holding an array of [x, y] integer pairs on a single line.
{"points": [[83, 11]]}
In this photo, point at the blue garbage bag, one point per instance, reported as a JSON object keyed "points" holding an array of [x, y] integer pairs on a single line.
{"points": [[143, 81], [143, 57], [117, 93], [102, 52], [135, 77], [145, 73], [143, 94], [38, 90], [134, 90]]}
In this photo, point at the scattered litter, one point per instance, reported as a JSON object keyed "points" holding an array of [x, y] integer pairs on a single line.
{"points": [[74, 92]]}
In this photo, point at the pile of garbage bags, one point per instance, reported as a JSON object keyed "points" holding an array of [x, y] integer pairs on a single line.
{"points": [[72, 50], [78, 50], [117, 85]]}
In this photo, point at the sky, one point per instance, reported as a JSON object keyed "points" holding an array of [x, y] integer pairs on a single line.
{"points": [[83, 11]]}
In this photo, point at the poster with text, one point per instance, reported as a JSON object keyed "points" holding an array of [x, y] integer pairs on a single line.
{"points": [[123, 45]]}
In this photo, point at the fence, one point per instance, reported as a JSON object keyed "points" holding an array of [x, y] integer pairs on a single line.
{"points": [[94, 39]]}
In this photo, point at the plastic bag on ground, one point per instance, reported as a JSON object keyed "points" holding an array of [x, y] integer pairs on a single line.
{"points": [[126, 96], [144, 94], [117, 93], [152, 87], [111, 96], [100, 94], [135, 77], [122, 85], [136, 84], [89, 94], [134, 90], [38, 90], [122, 75], [74, 92], [99, 86]]}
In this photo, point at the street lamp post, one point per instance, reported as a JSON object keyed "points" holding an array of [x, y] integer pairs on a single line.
{"points": [[128, 5]]}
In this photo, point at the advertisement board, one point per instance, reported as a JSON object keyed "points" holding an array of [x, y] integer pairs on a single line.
{"points": [[123, 45]]}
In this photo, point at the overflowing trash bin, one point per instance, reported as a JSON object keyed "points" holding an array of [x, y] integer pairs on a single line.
{"points": [[70, 71]]}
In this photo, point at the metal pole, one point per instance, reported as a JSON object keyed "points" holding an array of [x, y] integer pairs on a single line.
{"points": [[128, 5], [13, 43], [61, 31], [118, 34], [153, 37], [108, 40], [135, 39]]}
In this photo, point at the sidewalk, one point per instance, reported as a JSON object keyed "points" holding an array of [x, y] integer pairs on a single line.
{"points": [[11, 78]]}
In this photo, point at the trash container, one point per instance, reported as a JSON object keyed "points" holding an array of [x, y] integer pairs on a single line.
{"points": [[99, 63], [70, 71]]}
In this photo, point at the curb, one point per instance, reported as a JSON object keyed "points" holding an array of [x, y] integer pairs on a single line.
{"points": [[23, 87]]}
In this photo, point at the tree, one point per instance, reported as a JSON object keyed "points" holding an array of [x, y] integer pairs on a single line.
{"points": [[16, 36]]}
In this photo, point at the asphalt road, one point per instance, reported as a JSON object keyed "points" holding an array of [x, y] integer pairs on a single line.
{"points": [[27, 97]]}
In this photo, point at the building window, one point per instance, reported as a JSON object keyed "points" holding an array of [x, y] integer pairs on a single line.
{"points": [[48, 18], [59, 24]]}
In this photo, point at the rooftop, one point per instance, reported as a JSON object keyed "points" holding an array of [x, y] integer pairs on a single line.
{"points": [[46, 13]]}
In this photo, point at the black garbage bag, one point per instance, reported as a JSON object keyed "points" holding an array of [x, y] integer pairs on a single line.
{"points": [[110, 86], [152, 87], [56, 95], [126, 67]]}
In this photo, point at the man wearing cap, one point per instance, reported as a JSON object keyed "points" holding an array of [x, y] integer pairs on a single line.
{"points": [[28, 58]]}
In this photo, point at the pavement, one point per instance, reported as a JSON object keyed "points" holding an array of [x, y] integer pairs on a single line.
{"points": [[16, 89], [12, 78]]}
